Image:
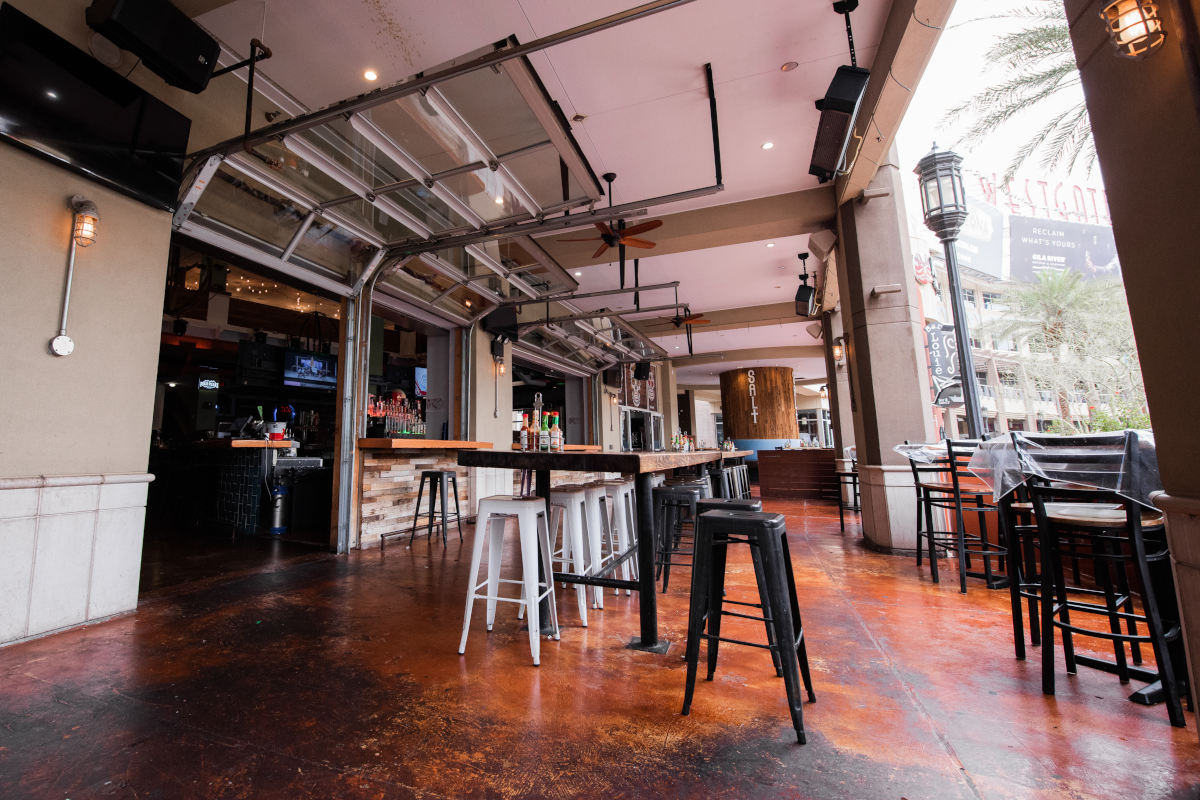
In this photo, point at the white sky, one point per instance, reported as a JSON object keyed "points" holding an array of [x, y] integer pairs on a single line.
{"points": [[958, 70]]}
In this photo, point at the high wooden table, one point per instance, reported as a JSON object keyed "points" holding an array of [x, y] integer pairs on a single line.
{"points": [[639, 464]]}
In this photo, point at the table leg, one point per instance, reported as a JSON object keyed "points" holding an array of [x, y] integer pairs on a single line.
{"points": [[542, 490], [647, 599]]}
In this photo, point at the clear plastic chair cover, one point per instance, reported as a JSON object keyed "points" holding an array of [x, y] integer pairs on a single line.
{"points": [[1124, 462], [923, 452]]}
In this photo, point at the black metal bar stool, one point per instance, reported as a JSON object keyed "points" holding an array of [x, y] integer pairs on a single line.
{"points": [[722, 481], [848, 479], [445, 482], [767, 536], [673, 507]]}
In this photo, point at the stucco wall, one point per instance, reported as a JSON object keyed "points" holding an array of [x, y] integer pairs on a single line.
{"points": [[90, 412]]}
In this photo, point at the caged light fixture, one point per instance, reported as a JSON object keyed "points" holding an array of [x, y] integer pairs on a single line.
{"points": [[1134, 27], [839, 350], [84, 219]]}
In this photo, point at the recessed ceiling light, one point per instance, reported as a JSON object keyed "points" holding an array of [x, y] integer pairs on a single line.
{"points": [[370, 75], [578, 274], [53, 95], [500, 200], [676, 347], [788, 66], [770, 244], [467, 303], [768, 145]]}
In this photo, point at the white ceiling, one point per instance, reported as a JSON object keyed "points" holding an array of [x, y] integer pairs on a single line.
{"points": [[733, 276], [641, 87], [709, 374], [703, 341]]}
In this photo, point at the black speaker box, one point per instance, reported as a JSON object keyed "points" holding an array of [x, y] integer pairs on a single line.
{"points": [[641, 371], [838, 109], [175, 48], [502, 323]]}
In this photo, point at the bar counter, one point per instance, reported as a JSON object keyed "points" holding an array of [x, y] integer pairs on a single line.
{"points": [[389, 474]]}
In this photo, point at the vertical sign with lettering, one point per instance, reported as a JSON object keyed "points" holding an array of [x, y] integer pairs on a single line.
{"points": [[753, 396]]}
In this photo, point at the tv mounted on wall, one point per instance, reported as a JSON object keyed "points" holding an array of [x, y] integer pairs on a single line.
{"points": [[309, 370], [60, 103]]}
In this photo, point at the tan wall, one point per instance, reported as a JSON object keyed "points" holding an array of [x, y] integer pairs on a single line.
{"points": [[610, 420], [89, 412], [485, 425]]}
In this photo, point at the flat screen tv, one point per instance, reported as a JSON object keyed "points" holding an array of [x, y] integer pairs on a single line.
{"points": [[420, 381], [60, 103], [309, 370]]}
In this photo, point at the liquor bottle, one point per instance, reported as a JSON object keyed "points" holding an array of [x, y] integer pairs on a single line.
{"points": [[555, 434], [524, 433], [544, 434]]}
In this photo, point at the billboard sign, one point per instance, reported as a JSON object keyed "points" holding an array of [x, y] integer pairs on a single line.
{"points": [[980, 245], [1037, 245]]}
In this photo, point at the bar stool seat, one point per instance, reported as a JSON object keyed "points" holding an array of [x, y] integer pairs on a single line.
{"points": [[847, 479], [445, 482], [567, 508], [766, 534], [673, 505], [620, 499], [596, 532], [533, 532]]}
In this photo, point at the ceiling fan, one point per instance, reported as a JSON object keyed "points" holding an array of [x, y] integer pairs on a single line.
{"points": [[686, 320], [620, 236]]}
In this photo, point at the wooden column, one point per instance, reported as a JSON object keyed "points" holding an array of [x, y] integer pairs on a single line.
{"points": [[759, 403]]}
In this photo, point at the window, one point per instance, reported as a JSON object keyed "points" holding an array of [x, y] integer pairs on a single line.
{"points": [[968, 296], [991, 299], [976, 343], [1016, 424], [1007, 377]]}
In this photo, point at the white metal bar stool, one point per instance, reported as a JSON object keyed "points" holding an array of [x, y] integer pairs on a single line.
{"points": [[535, 539], [596, 532], [620, 500], [568, 508]]}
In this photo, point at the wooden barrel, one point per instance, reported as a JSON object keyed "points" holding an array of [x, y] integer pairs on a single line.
{"points": [[759, 403]]}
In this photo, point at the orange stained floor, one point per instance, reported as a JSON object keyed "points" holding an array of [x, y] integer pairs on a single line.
{"points": [[338, 677]]}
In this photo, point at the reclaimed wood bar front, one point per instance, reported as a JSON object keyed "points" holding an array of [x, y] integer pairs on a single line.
{"points": [[389, 474]]}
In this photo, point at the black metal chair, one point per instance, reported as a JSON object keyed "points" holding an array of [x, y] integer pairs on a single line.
{"points": [[766, 534], [848, 479], [674, 515], [947, 486], [1117, 540], [444, 482]]}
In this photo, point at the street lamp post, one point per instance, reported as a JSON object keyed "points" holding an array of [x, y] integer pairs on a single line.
{"points": [[944, 204]]}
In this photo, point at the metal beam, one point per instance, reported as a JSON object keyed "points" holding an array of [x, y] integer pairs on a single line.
{"points": [[629, 290], [580, 220], [424, 81], [593, 315]]}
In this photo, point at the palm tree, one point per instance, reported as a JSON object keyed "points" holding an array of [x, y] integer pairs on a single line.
{"points": [[1039, 73], [1083, 328]]}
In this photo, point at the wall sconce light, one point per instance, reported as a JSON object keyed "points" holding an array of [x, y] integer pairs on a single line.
{"points": [[825, 392], [612, 398], [1133, 26], [839, 350], [84, 218], [498, 362]]}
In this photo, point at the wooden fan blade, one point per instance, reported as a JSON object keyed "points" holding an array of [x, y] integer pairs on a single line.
{"points": [[699, 322], [642, 228], [604, 229], [642, 243], [600, 252]]}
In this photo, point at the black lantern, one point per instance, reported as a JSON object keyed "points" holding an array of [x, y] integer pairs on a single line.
{"points": [[944, 204], [805, 295]]}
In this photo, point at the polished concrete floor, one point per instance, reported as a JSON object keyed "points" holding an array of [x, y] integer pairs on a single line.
{"points": [[338, 678]]}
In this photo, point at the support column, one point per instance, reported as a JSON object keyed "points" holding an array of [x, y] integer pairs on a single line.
{"points": [[889, 378], [1146, 121]]}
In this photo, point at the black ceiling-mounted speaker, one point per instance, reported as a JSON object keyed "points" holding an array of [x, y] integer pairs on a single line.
{"points": [[641, 371], [171, 45], [838, 108], [502, 323]]}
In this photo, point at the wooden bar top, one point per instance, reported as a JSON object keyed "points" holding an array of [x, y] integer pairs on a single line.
{"points": [[253, 444], [419, 444], [635, 462]]}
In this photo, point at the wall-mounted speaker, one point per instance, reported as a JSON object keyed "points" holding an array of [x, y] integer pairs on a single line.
{"points": [[502, 323], [175, 48], [641, 371], [838, 108]]}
